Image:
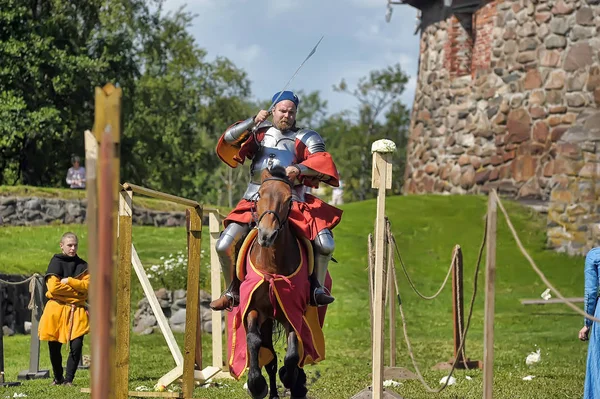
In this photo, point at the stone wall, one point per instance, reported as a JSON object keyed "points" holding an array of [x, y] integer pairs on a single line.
{"points": [[14, 300], [33, 211], [574, 211], [498, 125], [173, 305]]}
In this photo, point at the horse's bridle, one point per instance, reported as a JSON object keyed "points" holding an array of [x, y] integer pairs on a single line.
{"points": [[280, 223]]}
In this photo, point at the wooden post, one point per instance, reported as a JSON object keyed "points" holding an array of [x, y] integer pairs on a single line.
{"points": [[490, 278], [391, 277], [103, 343], [123, 313], [215, 288], [34, 371], [102, 229], [457, 303], [371, 269], [378, 306], [193, 302]]}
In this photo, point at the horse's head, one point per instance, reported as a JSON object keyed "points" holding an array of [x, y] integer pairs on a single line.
{"points": [[273, 205]]}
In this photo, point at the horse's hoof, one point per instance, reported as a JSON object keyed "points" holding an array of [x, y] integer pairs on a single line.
{"points": [[258, 384], [262, 395]]}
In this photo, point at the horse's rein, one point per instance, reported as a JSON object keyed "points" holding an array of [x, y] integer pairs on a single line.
{"points": [[268, 211]]}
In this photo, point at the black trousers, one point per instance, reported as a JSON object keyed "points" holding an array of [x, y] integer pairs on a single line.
{"points": [[55, 347]]}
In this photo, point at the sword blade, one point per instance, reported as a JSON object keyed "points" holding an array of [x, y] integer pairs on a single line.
{"points": [[295, 73]]}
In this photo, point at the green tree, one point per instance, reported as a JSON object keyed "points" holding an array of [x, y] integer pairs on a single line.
{"points": [[379, 114]]}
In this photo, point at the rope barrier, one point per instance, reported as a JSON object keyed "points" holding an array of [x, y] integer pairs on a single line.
{"points": [[535, 267], [31, 280], [463, 333], [412, 285]]}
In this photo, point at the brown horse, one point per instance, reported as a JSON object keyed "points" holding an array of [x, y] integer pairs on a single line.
{"points": [[274, 252]]}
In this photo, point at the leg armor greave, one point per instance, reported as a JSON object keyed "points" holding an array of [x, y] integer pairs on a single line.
{"points": [[324, 246], [228, 246]]}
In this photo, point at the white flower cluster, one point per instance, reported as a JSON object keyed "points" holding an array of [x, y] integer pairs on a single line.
{"points": [[172, 262]]}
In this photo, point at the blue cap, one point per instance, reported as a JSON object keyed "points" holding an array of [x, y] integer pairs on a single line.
{"points": [[286, 95]]}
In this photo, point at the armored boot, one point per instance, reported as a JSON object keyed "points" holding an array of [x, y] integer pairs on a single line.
{"points": [[227, 248], [324, 246]]}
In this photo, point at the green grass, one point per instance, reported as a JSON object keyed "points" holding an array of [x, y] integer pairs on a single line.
{"points": [[426, 229]]}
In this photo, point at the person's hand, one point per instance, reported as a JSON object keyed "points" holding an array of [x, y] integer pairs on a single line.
{"points": [[292, 172], [65, 280], [261, 117], [583, 333]]}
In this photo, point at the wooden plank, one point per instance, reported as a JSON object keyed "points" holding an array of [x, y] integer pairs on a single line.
{"points": [[146, 394], [549, 301], [199, 375], [490, 290], [378, 303], [123, 295], [192, 301], [162, 321], [215, 288], [158, 195]]}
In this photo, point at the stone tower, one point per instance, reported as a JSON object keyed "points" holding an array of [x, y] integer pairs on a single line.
{"points": [[507, 98]]}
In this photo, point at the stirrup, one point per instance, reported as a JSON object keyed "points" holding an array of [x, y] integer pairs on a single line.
{"points": [[322, 290], [231, 301]]}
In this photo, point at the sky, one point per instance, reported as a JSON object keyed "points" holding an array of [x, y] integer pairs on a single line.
{"points": [[269, 39]]}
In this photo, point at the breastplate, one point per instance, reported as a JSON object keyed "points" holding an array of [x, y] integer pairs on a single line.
{"points": [[277, 148]]}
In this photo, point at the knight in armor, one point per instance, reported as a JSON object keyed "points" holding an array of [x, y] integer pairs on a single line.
{"points": [[302, 153]]}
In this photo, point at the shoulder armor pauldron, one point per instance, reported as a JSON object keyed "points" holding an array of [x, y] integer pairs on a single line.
{"points": [[312, 140]]}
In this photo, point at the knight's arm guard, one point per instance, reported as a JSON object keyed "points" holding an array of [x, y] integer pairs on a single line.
{"points": [[239, 132], [314, 143]]}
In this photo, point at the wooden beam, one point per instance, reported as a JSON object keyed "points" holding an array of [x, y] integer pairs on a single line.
{"points": [[192, 301], [549, 301], [215, 287], [162, 321], [158, 195], [123, 295], [490, 291]]}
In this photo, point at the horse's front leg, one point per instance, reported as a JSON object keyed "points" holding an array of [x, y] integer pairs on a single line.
{"points": [[289, 372], [257, 385]]}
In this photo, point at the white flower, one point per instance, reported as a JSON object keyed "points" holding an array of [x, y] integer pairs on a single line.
{"points": [[546, 294], [468, 377], [529, 378], [452, 380], [391, 383], [533, 357], [19, 395], [383, 145], [142, 388], [162, 258]]}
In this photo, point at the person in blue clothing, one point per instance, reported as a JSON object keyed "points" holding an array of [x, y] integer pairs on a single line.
{"points": [[592, 372]]}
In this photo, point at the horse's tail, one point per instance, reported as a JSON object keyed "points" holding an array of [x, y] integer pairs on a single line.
{"points": [[279, 332]]}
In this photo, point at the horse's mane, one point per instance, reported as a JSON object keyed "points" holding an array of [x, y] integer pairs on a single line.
{"points": [[278, 171]]}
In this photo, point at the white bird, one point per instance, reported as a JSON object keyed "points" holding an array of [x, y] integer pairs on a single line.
{"points": [[533, 357], [452, 380]]}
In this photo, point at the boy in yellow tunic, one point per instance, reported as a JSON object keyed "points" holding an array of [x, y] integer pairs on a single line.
{"points": [[65, 318]]}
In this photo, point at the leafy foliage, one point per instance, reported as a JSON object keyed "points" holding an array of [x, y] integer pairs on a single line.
{"points": [[176, 101]]}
